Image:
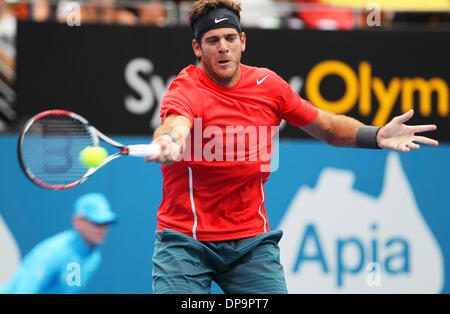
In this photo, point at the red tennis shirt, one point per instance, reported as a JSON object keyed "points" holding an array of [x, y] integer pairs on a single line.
{"points": [[216, 192]]}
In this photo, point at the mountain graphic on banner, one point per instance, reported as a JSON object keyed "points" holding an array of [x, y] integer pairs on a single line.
{"points": [[340, 240]]}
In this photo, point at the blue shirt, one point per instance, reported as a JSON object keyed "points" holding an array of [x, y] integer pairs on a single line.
{"points": [[63, 263]]}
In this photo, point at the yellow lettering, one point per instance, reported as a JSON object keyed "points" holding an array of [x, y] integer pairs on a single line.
{"points": [[319, 72], [387, 96], [365, 98], [386, 99], [425, 89]]}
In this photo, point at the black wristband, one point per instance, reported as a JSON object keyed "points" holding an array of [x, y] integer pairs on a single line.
{"points": [[366, 137]]}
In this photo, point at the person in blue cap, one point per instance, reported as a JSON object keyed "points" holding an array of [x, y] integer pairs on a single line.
{"points": [[65, 262]]}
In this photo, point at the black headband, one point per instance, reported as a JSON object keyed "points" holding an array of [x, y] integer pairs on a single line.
{"points": [[219, 18]]}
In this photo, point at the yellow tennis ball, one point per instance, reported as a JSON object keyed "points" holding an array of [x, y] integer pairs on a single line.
{"points": [[92, 156]]}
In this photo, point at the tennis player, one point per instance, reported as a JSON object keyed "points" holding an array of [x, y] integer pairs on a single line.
{"points": [[212, 222]]}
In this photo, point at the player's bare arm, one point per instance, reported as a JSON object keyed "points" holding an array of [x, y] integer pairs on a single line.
{"points": [[171, 135], [344, 131], [336, 130]]}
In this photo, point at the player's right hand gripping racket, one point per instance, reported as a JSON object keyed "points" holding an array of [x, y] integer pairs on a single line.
{"points": [[50, 144]]}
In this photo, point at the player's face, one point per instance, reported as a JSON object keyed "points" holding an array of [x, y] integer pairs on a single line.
{"points": [[220, 52], [93, 234]]}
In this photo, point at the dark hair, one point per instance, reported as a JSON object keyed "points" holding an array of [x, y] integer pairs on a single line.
{"points": [[201, 7]]}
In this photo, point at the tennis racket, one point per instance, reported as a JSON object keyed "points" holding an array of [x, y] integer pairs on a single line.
{"points": [[50, 144]]}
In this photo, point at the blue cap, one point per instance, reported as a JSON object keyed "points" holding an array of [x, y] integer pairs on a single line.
{"points": [[94, 207]]}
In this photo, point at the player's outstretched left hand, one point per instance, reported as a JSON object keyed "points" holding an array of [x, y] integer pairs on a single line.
{"points": [[400, 137]]}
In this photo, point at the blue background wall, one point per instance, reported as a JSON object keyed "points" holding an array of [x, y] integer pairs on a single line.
{"points": [[134, 189]]}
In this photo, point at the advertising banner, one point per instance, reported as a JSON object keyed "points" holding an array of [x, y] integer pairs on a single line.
{"points": [[348, 228], [116, 76]]}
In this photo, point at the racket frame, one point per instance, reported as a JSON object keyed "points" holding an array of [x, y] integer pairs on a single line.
{"points": [[96, 136]]}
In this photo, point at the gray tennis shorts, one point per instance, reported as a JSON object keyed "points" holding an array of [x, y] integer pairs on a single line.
{"points": [[182, 264]]}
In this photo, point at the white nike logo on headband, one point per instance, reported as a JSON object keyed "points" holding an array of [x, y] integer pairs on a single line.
{"points": [[218, 21]]}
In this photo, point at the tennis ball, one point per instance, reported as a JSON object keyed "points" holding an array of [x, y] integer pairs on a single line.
{"points": [[92, 156]]}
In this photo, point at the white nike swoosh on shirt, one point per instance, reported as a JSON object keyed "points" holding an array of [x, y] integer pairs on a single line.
{"points": [[262, 80], [218, 21]]}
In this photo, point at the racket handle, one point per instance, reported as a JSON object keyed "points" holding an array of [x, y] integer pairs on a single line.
{"points": [[143, 150]]}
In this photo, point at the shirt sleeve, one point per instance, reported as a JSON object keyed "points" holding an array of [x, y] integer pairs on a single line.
{"points": [[30, 281], [179, 99], [34, 275], [296, 110]]}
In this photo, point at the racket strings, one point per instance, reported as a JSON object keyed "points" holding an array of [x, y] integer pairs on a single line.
{"points": [[51, 149]]}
